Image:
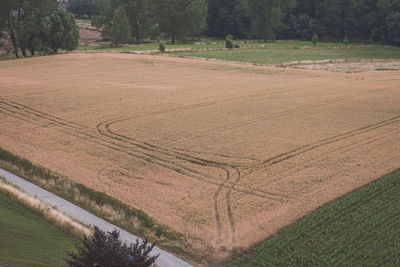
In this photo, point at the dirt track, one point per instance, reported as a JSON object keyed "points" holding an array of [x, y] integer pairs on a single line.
{"points": [[225, 154]]}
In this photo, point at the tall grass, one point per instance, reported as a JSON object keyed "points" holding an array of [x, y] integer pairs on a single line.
{"points": [[49, 213]]}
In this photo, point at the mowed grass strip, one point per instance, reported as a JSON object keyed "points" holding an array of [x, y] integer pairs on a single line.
{"points": [[26, 239], [279, 55], [359, 229]]}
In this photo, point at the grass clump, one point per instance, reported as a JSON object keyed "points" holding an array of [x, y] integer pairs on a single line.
{"points": [[359, 229]]}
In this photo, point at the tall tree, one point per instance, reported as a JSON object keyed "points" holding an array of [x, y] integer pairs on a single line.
{"points": [[140, 17], [180, 18], [228, 17], [60, 31], [120, 30], [21, 19], [268, 15], [86, 7]]}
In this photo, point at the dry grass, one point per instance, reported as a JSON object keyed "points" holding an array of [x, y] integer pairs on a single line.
{"points": [[225, 154], [49, 213]]}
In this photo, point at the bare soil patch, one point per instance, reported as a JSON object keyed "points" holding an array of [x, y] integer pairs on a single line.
{"points": [[89, 36], [351, 67], [226, 154]]}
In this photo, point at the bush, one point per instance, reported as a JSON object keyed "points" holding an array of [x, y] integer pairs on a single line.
{"points": [[314, 39], [346, 41], [229, 41], [161, 46], [106, 250]]}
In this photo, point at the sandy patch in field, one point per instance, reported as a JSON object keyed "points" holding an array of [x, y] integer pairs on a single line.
{"points": [[351, 67], [89, 36], [226, 154]]}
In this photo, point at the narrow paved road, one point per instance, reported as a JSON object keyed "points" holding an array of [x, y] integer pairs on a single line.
{"points": [[164, 260]]}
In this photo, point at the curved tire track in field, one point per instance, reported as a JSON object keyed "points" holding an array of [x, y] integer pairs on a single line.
{"points": [[88, 137], [301, 150], [104, 129], [77, 130]]}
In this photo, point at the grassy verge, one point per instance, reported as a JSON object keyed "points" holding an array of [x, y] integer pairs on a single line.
{"points": [[51, 214], [100, 204], [359, 229], [26, 239], [278, 55]]}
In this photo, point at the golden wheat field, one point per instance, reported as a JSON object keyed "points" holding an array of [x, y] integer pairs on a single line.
{"points": [[226, 154]]}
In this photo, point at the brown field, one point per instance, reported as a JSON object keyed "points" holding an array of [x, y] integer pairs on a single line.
{"points": [[225, 154]]}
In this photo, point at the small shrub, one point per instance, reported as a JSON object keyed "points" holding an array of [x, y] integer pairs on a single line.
{"points": [[314, 39], [229, 41], [346, 41], [236, 46], [161, 46], [106, 249]]}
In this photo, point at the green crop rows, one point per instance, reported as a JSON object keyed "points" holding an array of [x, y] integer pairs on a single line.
{"points": [[359, 229]]}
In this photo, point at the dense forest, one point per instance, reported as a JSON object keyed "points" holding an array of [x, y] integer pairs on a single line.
{"points": [[41, 25], [366, 20]]}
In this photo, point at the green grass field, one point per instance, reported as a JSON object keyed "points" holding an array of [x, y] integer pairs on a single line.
{"points": [[215, 44], [28, 240], [279, 55], [359, 229]]}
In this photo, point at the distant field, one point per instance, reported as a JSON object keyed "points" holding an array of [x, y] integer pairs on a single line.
{"points": [[216, 45], [28, 240], [360, 229], [225, 154], [277, 56]]}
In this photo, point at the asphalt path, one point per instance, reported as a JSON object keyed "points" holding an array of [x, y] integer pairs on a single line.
{"points": [[164, 260]]}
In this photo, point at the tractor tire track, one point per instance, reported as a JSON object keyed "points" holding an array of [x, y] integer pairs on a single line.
{"points": [[194, 160], [20, 113], [306, 148]]}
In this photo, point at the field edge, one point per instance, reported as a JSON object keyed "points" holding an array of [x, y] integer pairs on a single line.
{"points": [[99, 204], [241, 255]]}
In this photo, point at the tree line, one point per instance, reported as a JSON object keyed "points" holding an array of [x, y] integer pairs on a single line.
{"points": [[375, 20], [37, 26], [41, 26]]}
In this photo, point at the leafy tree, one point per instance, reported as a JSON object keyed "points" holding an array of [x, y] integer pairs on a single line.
{"points": [[21, 20], [9, 21], [60, 31], [30, 30], [120, 30], [301, 26], [86, 7], [106, 250], [140, 17], [228, 17], [393, 27], [268, 15], [180, 18]]}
